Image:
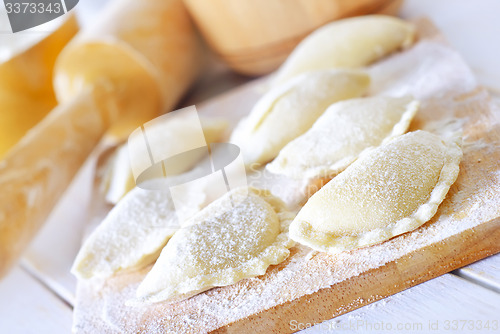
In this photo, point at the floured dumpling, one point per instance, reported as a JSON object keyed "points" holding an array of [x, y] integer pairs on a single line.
{"points": [[342, 133], [236, 237], [388, 191], [348, 43], [133, 233], [176, 134], [288, 111]]}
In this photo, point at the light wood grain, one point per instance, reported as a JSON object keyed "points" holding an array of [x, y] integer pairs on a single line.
{"points": [[26, 306]]}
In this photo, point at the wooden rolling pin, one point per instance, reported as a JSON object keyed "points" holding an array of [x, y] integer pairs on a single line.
{"points": [[26, 93], [134, 63]]}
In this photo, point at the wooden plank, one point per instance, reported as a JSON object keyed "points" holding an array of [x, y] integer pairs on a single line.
{"points": [[485, 272], [373, 285], [201, 313], [313, 287], [438, 305], [26, 306]]}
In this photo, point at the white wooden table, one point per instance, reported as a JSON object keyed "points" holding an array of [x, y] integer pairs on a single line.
{"points": [[37, 296]]}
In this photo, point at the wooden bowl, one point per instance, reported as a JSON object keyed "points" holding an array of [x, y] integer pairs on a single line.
{"points": [[254, 37]]}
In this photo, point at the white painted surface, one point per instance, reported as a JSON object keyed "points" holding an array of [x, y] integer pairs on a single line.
{"points": [[485, 272], [26, 306], [442, 305]]}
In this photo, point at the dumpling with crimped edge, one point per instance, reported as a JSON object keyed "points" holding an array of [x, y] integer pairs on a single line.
{"points": [[288, 111], [389, 190], [348, 43], [342, 133], [176, 133], [236, 237], [134, 232]]}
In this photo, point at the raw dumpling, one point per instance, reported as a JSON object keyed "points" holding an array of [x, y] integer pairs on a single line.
{"points": [[288, 111], [348, 43], [133, 233], [119, 178], [342, 133], [388, 191], [236, 237]]}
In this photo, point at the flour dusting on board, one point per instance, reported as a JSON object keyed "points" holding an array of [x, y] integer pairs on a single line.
{"points": [[431, 72]]}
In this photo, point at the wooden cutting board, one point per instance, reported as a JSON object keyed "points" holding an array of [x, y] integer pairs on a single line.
{"points": [[310, 287]]}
